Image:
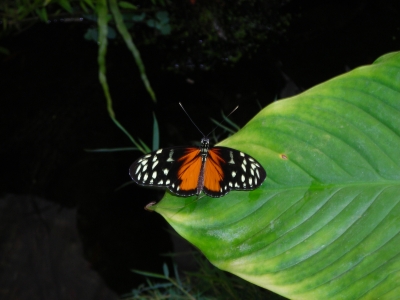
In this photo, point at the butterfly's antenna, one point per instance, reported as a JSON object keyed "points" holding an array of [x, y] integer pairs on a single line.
{"points": [[223, 120], [191, 119]]}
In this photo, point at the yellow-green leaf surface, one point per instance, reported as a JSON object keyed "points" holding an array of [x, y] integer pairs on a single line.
{"points": [[325, 224]]}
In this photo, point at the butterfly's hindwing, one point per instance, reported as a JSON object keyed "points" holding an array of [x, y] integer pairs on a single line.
{"points": [[167, 168], [231, 170], [188, 172]]}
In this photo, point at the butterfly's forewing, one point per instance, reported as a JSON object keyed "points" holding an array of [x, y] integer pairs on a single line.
{"points": [[228, 169], [173, 168]]}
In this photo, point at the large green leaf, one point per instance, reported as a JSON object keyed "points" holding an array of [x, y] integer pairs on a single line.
{"points": [[325, 223]]}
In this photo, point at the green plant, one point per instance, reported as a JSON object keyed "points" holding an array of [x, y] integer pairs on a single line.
{"points": [[198, 33], [192, 34], [207, 283], [325, 224]]}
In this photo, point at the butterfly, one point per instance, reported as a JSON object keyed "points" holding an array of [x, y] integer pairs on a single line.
{"points": [[188, 171]]}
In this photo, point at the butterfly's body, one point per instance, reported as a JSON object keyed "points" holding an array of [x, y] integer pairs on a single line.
{"points": [[188, 171], [205, 145]]}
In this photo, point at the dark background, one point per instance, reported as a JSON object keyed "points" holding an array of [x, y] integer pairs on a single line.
{"points": [[59, 202]]}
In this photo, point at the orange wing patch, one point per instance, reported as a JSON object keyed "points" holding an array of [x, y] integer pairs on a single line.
{"points": [[213, 173], [189, 171]]}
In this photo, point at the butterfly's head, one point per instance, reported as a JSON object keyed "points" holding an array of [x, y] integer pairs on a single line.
{"points": [[205, 143]]}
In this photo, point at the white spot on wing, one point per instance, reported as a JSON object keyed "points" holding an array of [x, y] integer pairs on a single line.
{"points": [[166, 171], [160, 182], [144, 161], [230, 184], [171, 152], [154, 175], [159, 151], [244, 167], [231, 161], [233, 174], [168, 181], [137, 169], [144, 168], [244, 162], [145, 176], [151, 181], [155, 158], [250, 181], [252, 172], [236, 185], [154, 164], [140, 175], [258, 174], [243, 178], [241, 154]]}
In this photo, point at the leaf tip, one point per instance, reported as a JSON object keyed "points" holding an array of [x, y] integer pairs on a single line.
{"points": [[149, 206]]}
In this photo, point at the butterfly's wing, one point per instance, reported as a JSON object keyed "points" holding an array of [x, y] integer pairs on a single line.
{"points": [[228, 169], [176, 168], [179, 170]]}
